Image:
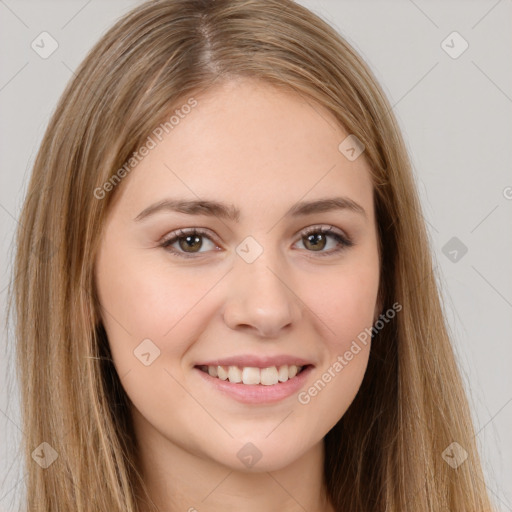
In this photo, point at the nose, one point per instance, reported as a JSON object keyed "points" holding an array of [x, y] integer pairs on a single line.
{"points": [[260, 298]]}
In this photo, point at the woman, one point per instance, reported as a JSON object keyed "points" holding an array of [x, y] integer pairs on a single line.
{"points": [[225, 296]]}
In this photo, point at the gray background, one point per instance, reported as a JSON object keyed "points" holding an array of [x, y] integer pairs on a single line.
{"points": [[456, 118]]}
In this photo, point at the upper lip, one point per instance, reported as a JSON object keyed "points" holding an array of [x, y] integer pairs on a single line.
{"points": [[256, 361]]}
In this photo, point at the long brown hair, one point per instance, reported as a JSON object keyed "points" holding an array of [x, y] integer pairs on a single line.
{"points": [[385, 453]]}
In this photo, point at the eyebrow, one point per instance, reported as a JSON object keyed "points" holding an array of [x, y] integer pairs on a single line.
{"points": [[230, 212]]}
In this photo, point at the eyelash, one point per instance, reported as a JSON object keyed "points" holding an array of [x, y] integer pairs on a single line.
{"points": [[181, 233]]}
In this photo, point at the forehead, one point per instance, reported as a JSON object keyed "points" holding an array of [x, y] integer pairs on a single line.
{"points": [[253, 145]]}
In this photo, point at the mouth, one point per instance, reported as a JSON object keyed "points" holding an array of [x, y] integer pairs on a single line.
{"points": [[255, 386], [252, 375]]}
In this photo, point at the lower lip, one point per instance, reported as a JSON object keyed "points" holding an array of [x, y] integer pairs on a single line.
{"points": [[258, 393]]}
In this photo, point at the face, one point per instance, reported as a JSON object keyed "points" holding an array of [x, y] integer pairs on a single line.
{"points": [[263, 277]]}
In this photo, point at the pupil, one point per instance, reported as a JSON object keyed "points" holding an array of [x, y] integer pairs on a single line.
{"points": [[190, 240], [314, 239]]}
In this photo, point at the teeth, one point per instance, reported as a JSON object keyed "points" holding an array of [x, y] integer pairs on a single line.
{"points": [[234, 374], [283, 373], [221, 372], [251, 375], [269, 376]]}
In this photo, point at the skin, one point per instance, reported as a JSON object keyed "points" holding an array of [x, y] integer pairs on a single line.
{"points": [[262, 150]]}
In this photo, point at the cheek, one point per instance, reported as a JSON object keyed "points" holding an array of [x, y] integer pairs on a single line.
{"points": [[350, 311], [347, 312], [140, 300], [346, 302], [152, 317]]}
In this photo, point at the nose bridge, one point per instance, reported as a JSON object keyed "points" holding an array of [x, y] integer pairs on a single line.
{"points": [[259, 295]]}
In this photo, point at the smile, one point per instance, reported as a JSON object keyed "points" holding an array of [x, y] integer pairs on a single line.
{"points": [[252, 375], [253, 385]]}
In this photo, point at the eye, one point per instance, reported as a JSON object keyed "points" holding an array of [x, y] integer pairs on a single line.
{"points": [[316, 238], [188, 240]]}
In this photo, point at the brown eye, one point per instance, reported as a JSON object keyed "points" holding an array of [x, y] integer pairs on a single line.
{"points": [[190, 243], [315, 242], [316, 239]]}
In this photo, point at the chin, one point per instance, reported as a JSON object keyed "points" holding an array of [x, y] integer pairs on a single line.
{"points": [[254, 455]]}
